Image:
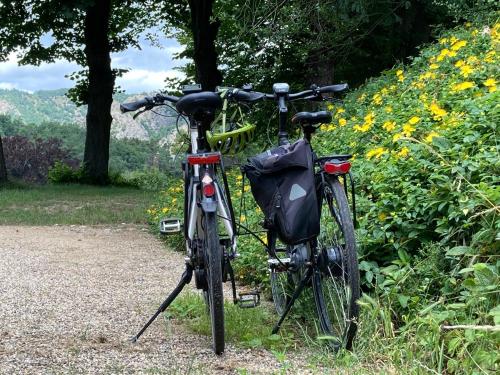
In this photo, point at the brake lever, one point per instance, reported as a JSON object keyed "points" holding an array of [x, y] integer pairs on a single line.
{"points": [[137, 114]]}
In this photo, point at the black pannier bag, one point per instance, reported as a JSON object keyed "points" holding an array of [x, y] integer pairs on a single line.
{"points": [[282, 182]]}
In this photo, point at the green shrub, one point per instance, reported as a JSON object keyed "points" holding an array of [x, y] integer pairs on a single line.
{"points": [[62, 173]]}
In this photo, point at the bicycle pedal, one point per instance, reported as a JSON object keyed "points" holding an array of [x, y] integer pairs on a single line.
{"points": [[170, 226], [278, 265], [249, 300]]}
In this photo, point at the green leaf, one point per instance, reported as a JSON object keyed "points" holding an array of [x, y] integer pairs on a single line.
{"points": [[458, 250], [495, 313], [403, 300]]}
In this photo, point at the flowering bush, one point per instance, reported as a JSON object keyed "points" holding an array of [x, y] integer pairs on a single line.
{"points": [[425, 145]]}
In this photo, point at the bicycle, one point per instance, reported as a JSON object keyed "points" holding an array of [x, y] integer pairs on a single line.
{"points": [[325, 262], [209, 254]]}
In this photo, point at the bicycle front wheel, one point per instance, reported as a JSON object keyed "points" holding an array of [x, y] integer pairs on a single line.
{"points": [[336, 277], [213, 268]]}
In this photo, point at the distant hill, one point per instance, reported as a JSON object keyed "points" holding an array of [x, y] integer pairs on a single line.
{"points": [[54, 106]]}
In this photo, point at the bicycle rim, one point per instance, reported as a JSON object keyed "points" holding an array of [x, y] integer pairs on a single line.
{"points": [[213, 264], [336, 277]]}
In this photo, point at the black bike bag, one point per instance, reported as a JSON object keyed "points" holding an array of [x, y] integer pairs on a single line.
{"points": [[282, 182]]}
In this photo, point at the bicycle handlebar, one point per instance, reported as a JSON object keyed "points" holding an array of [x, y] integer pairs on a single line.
{"points": [[148, 102], [253, 96]]}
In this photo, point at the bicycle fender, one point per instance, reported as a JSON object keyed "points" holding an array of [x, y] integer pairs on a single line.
{"points": [[209, 205]]}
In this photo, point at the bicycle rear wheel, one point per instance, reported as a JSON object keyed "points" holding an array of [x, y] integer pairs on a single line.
{"points": [[336, 277], [213, 269]]}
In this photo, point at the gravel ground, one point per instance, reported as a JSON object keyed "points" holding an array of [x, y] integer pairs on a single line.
{"points": [[72, 296]]}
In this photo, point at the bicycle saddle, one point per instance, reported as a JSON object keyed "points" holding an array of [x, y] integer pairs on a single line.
{"points": [[205, 101], [311, 118]]}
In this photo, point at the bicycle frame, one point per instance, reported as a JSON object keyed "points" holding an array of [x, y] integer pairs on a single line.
{"points": [[202, 165]]}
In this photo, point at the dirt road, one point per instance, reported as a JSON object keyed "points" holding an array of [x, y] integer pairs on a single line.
{"points": [[72, 296]]}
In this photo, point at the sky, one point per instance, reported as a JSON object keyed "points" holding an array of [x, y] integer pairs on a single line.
{"points": [[148, 69]]}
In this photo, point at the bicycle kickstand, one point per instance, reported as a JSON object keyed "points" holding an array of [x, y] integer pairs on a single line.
{"points": [[295, 295], [185, 279]]}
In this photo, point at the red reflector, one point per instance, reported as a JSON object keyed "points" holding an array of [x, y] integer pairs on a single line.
{"points": [[208, 190], [337, 168], [203, 159]]}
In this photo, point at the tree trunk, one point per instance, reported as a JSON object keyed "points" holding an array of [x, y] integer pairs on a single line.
{"points": [[3, 168], [204, 35], [100, 92]]}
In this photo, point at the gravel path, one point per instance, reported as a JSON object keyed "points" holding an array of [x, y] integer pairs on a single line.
{"points": [[72, 296]]}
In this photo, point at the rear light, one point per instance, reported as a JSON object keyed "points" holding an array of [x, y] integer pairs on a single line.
{"points": [[337, 168], [196, 159], [208, 186]]}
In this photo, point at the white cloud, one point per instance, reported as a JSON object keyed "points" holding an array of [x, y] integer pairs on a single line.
{"points": [[7, 85], [138, 80], [148, 69]]}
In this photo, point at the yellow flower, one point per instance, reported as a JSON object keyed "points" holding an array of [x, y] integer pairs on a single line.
{"points": [[489, 58], [384, 91], [342, 122], [399, 74], [403, 152], [362, 128], [460, 63], [452, 54], [472, 60], [397, 137], [434, 66], [362, 97], [437, 111], [462, 86], [490, 82], [376, 152], [340, 110], [382, 216], [329, 107], [443, 40], [264, 239], [466, 70], [239, 177], [377, 99], [164, 210], [414, 120], [408, 129], [459, 44], [389, 125], [388, 109], [174, 200], [243, 218], [431, 136], [444, 52]]}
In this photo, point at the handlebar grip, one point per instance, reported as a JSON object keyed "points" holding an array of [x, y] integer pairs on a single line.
{"points": [[134, 106], [333, 88], [247, 96]]}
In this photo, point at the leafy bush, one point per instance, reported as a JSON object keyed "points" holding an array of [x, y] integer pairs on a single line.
{"points": [[31, 160], [62, 173]]}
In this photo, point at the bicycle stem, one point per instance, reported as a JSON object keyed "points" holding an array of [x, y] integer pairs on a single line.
{"points": [[283, 116]]}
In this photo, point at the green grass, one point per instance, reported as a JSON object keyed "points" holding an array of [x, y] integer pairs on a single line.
{"points": [[250, 328], [72, 204]]}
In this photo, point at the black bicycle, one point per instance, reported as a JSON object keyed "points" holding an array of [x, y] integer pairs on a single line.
{"points": [[304, 199]]}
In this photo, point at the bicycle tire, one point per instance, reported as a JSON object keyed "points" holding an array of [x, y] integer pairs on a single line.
{"points": [[213, 264], [335, 216]]}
